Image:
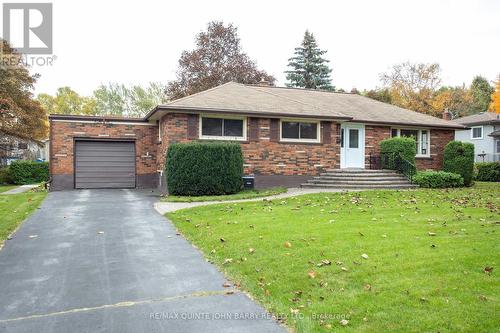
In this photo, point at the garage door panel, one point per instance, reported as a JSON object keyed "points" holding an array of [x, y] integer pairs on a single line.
{"points": [[104, 164], [111, 161]]}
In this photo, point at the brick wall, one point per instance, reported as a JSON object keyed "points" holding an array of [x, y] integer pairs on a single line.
{"points": [[262, 155], [439, 139], [62, 134], [373, 136]]}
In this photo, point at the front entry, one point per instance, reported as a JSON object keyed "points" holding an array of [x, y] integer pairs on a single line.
{"points": [[352, 146]]}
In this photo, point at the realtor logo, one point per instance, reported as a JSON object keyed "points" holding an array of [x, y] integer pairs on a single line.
{"points": [[28, 27]]}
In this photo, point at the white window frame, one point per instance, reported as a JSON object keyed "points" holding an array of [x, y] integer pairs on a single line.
{"points": [[292, 120], [223, 137], [472, 133], [420, 130]]}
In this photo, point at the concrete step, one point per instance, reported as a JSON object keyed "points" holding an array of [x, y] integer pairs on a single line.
{"points": [[357, 186], [350, 177], [366, 175], [359, 182], [359, 170]]}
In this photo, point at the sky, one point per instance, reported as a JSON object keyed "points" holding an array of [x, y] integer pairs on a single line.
{"points": [[135, 42]]}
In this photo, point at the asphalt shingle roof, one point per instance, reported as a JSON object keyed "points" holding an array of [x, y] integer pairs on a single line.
{"points": [[275, 101], [480, 118]]}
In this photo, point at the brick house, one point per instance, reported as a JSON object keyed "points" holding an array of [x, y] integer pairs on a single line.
{"points": [[287, 136]]}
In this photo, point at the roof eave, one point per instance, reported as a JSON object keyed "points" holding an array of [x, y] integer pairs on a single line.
{"points": [[397, 123], [96, 118], [240, 112]]}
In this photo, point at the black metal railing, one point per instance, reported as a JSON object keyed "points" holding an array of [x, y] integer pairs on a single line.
{"points": [[393, 161]]}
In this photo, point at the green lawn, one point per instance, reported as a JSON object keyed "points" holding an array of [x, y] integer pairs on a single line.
{"points": [[246, 194], [15, 208], [4, 188], [302, 258]]}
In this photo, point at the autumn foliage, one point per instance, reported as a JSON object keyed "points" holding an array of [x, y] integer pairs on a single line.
{"points": [[20, 114], [217, 59], [495, 98]]}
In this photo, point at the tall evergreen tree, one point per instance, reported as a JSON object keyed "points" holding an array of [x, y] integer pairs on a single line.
{"points": [[309, 68], [481, 91]]}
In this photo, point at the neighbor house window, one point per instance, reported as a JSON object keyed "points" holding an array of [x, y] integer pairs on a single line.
{"points": [[299, 131], [422, 139], [477, 132], [222, 128]]}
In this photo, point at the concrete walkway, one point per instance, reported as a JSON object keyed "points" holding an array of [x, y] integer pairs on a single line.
{"points": [[166, 207], [106, 261], [20, 189]]}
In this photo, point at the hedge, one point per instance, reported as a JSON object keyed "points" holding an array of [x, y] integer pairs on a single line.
{"points": [[5, 176], [459, 158], [197, 168], [438, 179], [488, 171], [28, 172], [406, 147]]}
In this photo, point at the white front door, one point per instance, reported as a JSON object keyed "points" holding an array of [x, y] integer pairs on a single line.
{"points": [[352, 148]]}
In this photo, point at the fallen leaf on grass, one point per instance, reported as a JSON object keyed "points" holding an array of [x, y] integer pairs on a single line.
{"points": [[488, 269], [312, 274], [344, 322], [222, 240], [288, 244], [344, 269], [431, 233], [251, 250], [227, 261], [368, 287], [364, 256]]}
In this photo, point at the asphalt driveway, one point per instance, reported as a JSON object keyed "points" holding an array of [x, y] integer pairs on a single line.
{"points": [[106, 261]]}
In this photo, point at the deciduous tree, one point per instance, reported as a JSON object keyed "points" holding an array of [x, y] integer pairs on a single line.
{"points": [[20, 114], [309, 69], [412, 86], [495, 98], [458, 100], [217, 59], [67, 101]]}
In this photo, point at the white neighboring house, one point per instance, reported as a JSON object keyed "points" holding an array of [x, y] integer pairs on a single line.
{"points": [[484, 132]]}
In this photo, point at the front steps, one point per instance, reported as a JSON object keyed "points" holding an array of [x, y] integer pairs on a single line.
{"points": [[351, 179]]}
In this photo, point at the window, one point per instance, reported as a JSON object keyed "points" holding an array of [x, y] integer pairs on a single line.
{"points": [[22, 145], [422, 139], [223, 128], [299, 131], [353, 138], [498, 146], [477, 132]]}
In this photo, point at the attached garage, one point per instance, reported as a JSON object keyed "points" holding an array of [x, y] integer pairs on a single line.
{"points": [[104, 164]]}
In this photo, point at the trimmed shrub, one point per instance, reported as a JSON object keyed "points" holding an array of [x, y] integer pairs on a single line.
{"points": [[459, 158], [5, 176], [199, 168], [438, 179], [488, 171], [28, 172], [393, 147]]}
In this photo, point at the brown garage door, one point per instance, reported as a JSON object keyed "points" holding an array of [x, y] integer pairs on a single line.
{"points": [[104, 164]]}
